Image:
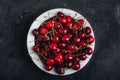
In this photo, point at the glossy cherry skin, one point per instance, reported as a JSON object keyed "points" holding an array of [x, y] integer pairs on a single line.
{"points": [[56, 39], [50, 61], [77, 59], [59, 58], [62, 45], [77, 40], [69, 18], [60, 70], [90, 39], [40, 38], [76, 66], [43, 52], [35, 32], [82, 35], [63, 31], [57, 50], [36, 48], [81, 21], [43, 30], [83, 56], [49, 24], [63, 20], [57, 26], [68, 57], [88, 50], [69, 25], [48, 67], [69, 64], [47, 49], [71, 47], [60, 14], [88, 30], [65, 38], [55, 18], [76, 26], [53, 46], [82, 44]]}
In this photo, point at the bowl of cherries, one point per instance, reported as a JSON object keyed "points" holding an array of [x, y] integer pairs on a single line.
{"points": [[60, 41]]}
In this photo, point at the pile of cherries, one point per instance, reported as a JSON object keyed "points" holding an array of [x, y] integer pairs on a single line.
{"points": [[61, 42]]}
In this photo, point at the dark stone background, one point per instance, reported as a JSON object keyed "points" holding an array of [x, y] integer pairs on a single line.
{"points": [[16, 17]]}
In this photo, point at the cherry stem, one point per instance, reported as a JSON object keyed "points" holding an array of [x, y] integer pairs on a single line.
{"points": [[42, 55]]}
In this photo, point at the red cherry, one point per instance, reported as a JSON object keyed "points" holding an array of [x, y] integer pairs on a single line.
{"points": [[69, 25], [36, 48], [48, 67], [43, 30], [35, 32], [82, 44], [81, 21], [49, 24], [82, 35], [47, 49], [55, 19], [62, 45], [40, 38], [55, 39], [63, 51], [88, 30], [43, 52], [69, 64], [76, 26], [69, 18], [60, 70], [65, 38], [57, 50], [60, 14], [57, 26], [59, 58], [69, 35], [50, 61], [63, 20], [77, 59], [63, 31], [76, 66], [53, 46], [83, 56], [90, 39], [71, 47], [88, 51], [68, 57], [77, 40]]}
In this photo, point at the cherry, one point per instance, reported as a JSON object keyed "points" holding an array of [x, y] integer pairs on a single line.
{"points": [[65, 38], [69, 18], [63, 20], [43, 52], [53, 46], [76, 26], [82, 35], [40, 38], [55, 39], [81, 21], [69, 35], [60, 14], [63, 51], [57, 50], [48, 67], [49, 24], [43, 30], [50, 61], [88, 30], [88, 50], [57, 26], [69, 25], [60, 70], [77, 59], [63, 31], [82, 44], [35, 32], [36, 48], [83, 56], [54, 18], [69, 64], [71, 47], [68, 57], [90, 39], [62, 45], [47, 49], [76, 66], [59, 58], [77, 40]]}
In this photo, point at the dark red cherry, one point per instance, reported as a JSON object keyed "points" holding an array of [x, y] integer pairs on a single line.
{"points": [[60, 70], [76, 26], [90, 39], [77, 59], [76, 66], [81, 21], [47, 48], [36, 48], [55, 19], [48, 67], [65, 38], [43, 30], [88, 50], [88, 30], [83, 56], [69, 64], [68, 57], [82, 44], [63, 20], [50, 61], [49, 24], [59, 58], [82, 35], [40, 38], [53, 46], [71, 47], [57, 50], [62, 45], [57, 26], [63, 31], [69, 25], [69, 18], [77, 40], [35, 32], [43, 52], [56, 39], [60, 14]]}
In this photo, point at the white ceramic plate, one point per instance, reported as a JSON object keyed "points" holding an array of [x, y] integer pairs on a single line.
{"points": [[36, 24]]}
